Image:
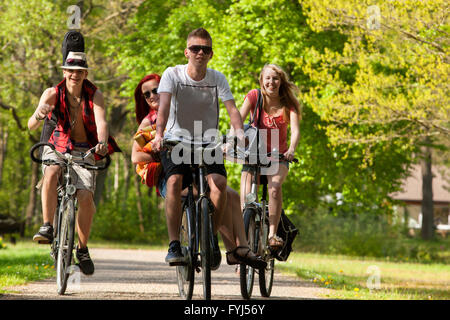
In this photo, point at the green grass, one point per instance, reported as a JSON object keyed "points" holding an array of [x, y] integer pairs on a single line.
{"points": [[27, 261], [347, 277], [24, 262]]}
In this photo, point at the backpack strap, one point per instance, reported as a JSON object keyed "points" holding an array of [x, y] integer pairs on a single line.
{"points": [[258, 109]]}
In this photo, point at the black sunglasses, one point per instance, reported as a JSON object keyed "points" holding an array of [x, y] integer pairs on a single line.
{"points": [[196, 49], [147, 94]]}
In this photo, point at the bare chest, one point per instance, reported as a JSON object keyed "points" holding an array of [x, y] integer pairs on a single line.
{"points": [[77, 129]]}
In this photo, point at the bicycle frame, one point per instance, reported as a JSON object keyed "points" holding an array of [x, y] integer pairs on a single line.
{"points": [[203, 235], [260, 207], [65, 215], [256, 216], [66, 191]]}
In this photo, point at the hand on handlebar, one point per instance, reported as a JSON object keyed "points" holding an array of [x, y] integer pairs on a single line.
{"points": [[156, 143], [289, 155], [101, 149]]}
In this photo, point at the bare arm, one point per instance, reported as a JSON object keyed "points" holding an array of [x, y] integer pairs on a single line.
{"points": [[161, 120], [245, 109], [235, 118], [46, 104], [295, 134], [100, 122]]}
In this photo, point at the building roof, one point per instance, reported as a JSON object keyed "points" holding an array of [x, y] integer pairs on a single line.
{"points": [[412, 186]]}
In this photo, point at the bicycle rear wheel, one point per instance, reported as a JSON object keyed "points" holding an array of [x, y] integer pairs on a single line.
{"points": [[65, 245], [206, 252], [266, 274], [247, 273], [185, 273]]}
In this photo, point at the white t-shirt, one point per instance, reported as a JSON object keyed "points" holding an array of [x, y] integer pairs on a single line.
{"points": [[194, 106]]}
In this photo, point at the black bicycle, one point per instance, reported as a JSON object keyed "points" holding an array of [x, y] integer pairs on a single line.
{"points": [[65, 215], [196, 232], [256, 221]]}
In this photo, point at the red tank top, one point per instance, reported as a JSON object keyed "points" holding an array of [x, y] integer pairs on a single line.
{"points": [[270, 124]]}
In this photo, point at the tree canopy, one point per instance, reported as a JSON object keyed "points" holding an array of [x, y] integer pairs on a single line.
{"points": [[372, 82]]}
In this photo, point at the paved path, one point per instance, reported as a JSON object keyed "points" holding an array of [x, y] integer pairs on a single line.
{"points": [[143, 275]]}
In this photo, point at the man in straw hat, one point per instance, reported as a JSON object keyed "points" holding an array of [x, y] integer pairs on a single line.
{"points": [[81, 125]]}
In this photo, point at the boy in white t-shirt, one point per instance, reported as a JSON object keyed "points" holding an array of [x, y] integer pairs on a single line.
{"points": [[190, 93]]}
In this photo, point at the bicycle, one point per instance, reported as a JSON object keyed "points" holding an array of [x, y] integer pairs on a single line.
{"points": [[64, 221], [196, 232], [256, 221]]}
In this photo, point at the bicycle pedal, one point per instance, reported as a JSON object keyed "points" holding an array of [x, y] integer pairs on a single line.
{"points": [[181, 263]]}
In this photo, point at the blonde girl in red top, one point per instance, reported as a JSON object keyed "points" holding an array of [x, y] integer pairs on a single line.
{"points": [[280, 109]]}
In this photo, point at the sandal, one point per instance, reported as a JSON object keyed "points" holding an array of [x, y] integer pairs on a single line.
{"points": [[275, 243], [231, 260], [249, 259]]}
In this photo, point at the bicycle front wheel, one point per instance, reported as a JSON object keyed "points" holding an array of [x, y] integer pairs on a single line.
{"points": [[65, 245], [266, 274], [185, 273], [206, 252], [247, 273]]}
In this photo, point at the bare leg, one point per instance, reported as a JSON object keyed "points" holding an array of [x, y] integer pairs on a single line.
{"points": [[173, 206], [246, 185], [49, 196], [85, 215], [218, 195], [276, 198], [232, 229]]}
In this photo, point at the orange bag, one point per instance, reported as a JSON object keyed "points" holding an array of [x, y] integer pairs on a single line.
{"points": [[150, 171], [144, 135]]}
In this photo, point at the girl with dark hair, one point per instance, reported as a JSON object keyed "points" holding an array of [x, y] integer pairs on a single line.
{"points": [[146, 99]]}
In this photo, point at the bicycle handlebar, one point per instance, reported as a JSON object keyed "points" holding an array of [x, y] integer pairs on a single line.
{"points": [[282, 157], [64, 159], [169, 144], [244, 157]]}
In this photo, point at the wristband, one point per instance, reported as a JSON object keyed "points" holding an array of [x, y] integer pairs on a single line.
{"points": [[39, 119], [103, 143]]}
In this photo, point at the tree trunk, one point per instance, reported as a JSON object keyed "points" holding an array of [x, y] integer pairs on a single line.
{"points": [[137, 185], [31, 207], [427, 195], [126, 182], [3, 145]]}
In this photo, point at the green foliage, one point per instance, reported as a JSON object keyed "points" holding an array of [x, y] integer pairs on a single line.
{"points": [[366, 95], [362, 235], [387, 81], [246, 35], [2, 245]]}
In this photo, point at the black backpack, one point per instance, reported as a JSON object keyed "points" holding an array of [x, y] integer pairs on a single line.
{"points": [[286, 231], [73, 41]]}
